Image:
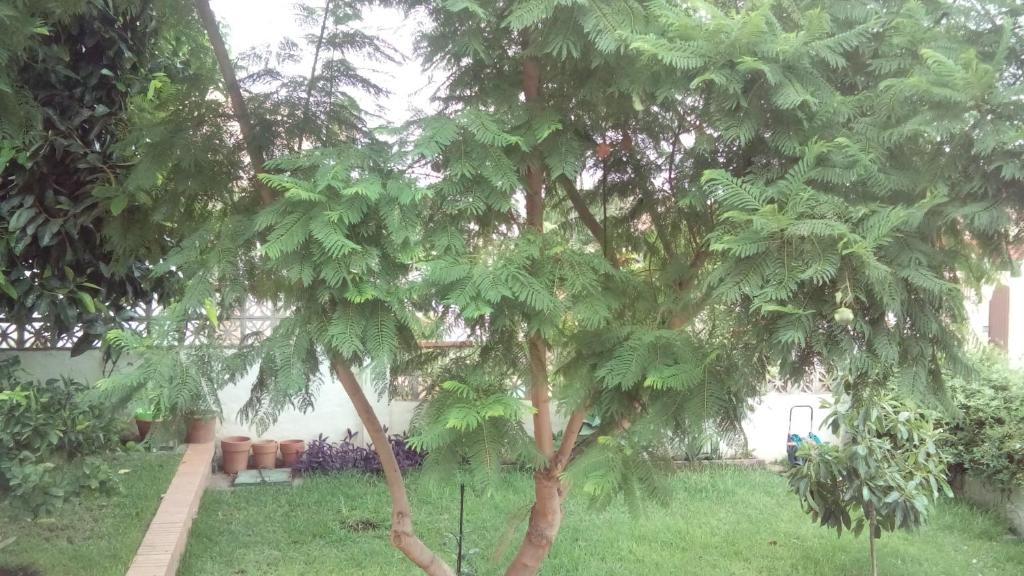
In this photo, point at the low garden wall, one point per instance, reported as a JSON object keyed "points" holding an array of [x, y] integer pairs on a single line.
{"points": [[1010, 504]]}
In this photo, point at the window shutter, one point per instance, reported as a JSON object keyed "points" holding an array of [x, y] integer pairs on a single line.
{"points": [[999, 317]]}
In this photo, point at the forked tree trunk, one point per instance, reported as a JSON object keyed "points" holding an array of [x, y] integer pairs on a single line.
{"points": [[402, 535], [546, 514]]}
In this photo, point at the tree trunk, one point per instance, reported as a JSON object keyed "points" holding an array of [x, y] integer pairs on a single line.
{"points": [[545, 519], [238, 107], [546, 514], [872, 527], [402, 535]]}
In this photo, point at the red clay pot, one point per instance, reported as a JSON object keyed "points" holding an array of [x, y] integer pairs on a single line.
{"points": [[234, 453], [143, 426], [264, 453], [291, 451], [201, 430]]}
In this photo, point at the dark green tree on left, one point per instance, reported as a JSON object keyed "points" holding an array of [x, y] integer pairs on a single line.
{"points": [[108, 142]]}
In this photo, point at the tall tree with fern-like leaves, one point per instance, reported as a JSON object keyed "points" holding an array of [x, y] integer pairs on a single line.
{"points": [[327, 235], [637, 211], [666, 202]]}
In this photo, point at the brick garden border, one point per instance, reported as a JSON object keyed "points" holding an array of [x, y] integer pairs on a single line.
{"points": [[164, 542]]}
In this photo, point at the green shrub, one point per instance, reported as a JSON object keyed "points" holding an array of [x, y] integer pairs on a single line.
{"points": [[988, 431], [50, 435]]}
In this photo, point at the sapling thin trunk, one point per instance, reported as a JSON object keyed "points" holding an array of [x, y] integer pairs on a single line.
{"points": [[312, 75], [872, 529], [234, 91]]}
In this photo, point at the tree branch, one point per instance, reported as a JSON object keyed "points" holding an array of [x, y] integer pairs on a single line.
{"points": [[581, 208], [659, 228], [595, 227], [538, 347], [238, 107], [546, 514], [683, 317], [312, 75], [572, 431]]}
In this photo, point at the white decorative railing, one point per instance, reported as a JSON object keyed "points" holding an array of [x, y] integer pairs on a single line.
{"points": [[36, 334]]}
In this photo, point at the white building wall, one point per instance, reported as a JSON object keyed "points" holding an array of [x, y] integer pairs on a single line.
{"points": [[978, 316], [332, 417], [977, 312], [46, 364], [1015, 344]]}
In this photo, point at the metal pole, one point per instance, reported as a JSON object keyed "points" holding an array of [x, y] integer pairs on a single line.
{"points": [[462, 505]]}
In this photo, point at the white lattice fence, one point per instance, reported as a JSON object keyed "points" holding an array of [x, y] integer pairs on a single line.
{"points": [[36, 334], [815, 381]]}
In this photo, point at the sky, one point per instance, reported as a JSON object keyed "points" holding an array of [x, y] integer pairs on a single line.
{"points": [[249, 23]]}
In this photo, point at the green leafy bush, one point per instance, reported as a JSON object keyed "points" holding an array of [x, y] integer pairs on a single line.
{"points": [[883, 474], [988, 431], [50, 435]]}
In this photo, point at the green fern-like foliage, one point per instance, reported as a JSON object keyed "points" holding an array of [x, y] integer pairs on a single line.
{"points": [[173, 380]]}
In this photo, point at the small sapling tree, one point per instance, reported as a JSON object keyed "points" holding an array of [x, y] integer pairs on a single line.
{"points": [[882, 474]]}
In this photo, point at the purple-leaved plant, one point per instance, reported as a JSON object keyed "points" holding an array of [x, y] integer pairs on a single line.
{"points": [[323, 456]]}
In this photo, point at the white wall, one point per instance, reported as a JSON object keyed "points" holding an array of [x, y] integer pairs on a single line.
{"points": [[766, 425], [1015, 345], [333, 415], [977, 313], [46, 364]]}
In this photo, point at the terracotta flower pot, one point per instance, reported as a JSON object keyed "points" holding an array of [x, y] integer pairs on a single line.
{"points": [[264, 453], [201, 430], [234, 451], [291, 451], [143, 426]]}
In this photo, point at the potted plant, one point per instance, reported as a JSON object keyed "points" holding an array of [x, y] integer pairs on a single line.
{"points": [[291, 451], [202, 427], [185, 393], [201, 411], [181, 383], [264, 454], [144, 418], [234, 454]]}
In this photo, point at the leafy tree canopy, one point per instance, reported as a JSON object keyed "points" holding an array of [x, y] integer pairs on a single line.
{"points": [[114, 152], [107, 147]]}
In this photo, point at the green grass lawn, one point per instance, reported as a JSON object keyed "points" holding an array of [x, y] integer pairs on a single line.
{"points": [[96, 536], [724, 522]]}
